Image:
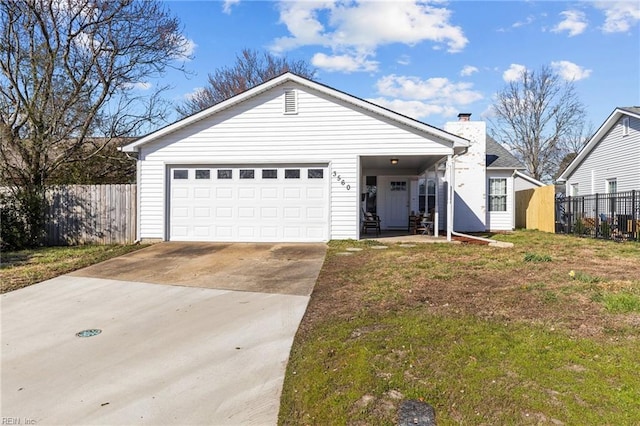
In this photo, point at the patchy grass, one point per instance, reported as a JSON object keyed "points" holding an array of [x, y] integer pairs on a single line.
{"points": [[26, 267], [483, 334], [533, 257]]}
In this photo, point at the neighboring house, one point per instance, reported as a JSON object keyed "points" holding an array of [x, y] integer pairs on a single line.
{"points": [[610, 160], [294, 160]]}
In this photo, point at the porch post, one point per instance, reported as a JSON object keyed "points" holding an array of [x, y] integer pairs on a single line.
{"points": [[450, 194], [436, 210]]}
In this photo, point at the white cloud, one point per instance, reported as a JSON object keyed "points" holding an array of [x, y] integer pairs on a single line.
{"points": [[364, 26], [575, 22], [404, 60], [527, 21], [193, 93], [414, 109], [514, 73], [189, 46], [228, 4], [439, 89], [143, 85], [620, 16], [570, 71], [344, 63], [468, 70]]}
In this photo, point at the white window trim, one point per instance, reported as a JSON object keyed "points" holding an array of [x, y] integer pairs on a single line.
{"points": [[575, 189], [505, 195], [608, 183], [625, 126]]}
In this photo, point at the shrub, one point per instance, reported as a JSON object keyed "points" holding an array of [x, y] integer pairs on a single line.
{"points": [[12, 225]]}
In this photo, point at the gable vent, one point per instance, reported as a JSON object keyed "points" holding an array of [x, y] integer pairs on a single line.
{"points": [[290, 101]]}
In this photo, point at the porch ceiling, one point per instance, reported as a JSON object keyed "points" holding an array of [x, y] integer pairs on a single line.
{"points": [[417, 164]]}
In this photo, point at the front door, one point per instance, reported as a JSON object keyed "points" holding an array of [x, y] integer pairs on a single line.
{"points": [[397, 203]]}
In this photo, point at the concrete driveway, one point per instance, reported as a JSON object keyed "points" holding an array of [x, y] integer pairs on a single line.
{"points": [[190, 334]]}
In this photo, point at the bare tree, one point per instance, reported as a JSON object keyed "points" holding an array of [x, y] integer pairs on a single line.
{"points": [[572, 144], [250, 69], [70, 72], [536, 117]]}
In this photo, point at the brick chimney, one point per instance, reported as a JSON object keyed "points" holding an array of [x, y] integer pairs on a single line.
{"points": [[464, 116]]}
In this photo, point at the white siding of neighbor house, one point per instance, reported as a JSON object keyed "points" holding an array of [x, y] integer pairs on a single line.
{"points": [[256, 131], [521, 184], [614, 157], [501, 221]]}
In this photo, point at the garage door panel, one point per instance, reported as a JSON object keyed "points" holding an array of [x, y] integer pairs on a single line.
{"points": [[181, 193], [249, 209], [292, 193], [268, 212], [201, 231], [224, 193], [202, 193], [247, 213], [292, 213], [268, 193], [315, 213]]}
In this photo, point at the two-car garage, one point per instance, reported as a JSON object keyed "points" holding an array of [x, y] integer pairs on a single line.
{"points": [[253, 203]]}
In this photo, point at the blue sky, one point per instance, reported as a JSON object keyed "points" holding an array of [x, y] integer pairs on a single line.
{"points": [[429, 60]]}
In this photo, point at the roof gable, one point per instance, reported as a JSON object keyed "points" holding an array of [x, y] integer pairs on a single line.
{"points": [[498, 157], [595, 139], [455, 141]]}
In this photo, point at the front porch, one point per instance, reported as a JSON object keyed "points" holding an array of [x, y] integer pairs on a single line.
{"points": [[401, 191]]}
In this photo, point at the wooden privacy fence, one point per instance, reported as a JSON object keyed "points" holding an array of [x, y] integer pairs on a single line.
{"points": [[99, 214], [535, 209]]}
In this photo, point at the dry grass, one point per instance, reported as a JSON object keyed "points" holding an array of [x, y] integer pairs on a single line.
{"points": [[447, 322], [26, 267]]}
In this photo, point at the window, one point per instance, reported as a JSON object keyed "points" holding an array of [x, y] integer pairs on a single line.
{"points": [[372, 193], [181, 174], [269, 173], [225, 174], [498, 195], [625, 126], [315, 173], [398, 186], [290, 101], [203, 174], [575, 189], [247, 173], [292, 173], [426, 196], [612, 186]]}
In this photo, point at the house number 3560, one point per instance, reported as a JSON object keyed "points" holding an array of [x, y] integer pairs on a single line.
{"points": [[339, 179]]}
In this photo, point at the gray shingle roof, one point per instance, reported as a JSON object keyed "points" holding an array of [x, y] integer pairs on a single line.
{"points": [[633, 109], [499, 157]]}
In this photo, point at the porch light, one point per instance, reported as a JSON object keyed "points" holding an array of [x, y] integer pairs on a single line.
{"points": [[394, 161]]}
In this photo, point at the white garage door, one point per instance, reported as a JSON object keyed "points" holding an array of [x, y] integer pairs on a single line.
{"points": [[265, 203]]}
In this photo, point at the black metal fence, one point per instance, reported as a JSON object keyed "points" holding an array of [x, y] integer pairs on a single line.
{"points": [[608, 216]]}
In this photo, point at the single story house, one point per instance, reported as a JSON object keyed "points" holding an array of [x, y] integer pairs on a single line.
{"points": [[293, 160]]}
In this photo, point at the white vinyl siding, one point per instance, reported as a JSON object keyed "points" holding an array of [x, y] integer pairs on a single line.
{"points": [[615, 156], [325, 131], [502, 181]]}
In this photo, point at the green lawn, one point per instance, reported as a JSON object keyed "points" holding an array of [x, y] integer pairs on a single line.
{"points": [[545, 333], [22, 268]]}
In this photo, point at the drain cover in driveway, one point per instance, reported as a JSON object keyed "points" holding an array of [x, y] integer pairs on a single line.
{"points": [[89, 333]]}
